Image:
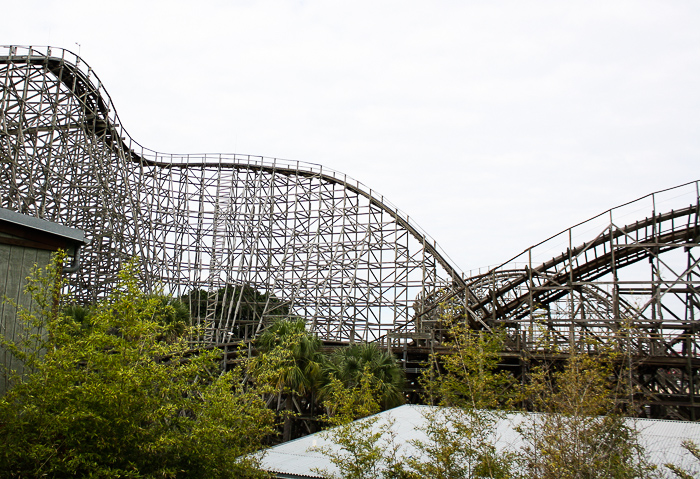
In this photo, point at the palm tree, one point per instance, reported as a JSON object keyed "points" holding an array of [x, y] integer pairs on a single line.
{"points": [[351, 363], [290, 361]]}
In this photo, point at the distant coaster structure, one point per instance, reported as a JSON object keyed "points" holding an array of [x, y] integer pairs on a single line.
{"points": [[624, 281], [246, 240]]}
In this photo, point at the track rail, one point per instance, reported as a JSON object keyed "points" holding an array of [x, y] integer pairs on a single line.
{"points": [[632, 287], [102, 126], [612, 250]]}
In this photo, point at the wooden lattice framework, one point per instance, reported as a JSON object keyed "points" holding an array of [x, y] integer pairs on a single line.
{"points": [[313, 242]]}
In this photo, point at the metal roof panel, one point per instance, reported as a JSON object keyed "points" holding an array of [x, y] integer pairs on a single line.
{"points": [[38, 224]]}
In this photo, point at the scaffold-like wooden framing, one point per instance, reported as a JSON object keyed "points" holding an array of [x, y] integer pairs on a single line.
{"points": [[625, 281], [311, 241], [249, 239]]}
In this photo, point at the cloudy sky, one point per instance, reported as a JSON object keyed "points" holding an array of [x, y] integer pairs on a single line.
{"points": [[492, 124]]}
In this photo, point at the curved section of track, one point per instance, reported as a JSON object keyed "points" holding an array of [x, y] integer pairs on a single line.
{"points": [[309, 240], [610, 251]]}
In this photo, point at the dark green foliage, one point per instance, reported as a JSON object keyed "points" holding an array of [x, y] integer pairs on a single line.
{"points": [[290, 362], [248, 301], [350, 365], [77, 313], [196, 302], [172, 314], [294, 353]]}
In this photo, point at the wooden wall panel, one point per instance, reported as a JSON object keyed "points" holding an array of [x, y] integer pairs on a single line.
{"points": [[16, 263]]}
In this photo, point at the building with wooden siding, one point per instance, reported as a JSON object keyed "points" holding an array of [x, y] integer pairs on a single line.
{"points": [[26, 241]]}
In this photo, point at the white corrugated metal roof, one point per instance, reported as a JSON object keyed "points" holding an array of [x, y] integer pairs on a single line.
{"points": [[298, 458]]}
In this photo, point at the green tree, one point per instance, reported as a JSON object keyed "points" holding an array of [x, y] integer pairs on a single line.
{"points": [[685, 472], [460, 435], [344, 404], [290, 362], [466, 383], [582, 433], [365, 362], [459, 444], [113, 398], [467, 375], [172, 314], [242, 302], [364, 448]]}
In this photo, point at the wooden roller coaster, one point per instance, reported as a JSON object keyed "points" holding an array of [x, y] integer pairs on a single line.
{"points": [[246, 240]]}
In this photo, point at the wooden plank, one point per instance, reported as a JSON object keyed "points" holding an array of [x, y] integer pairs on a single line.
{"points": [[409, 335], [4, 311], [13, 288]]}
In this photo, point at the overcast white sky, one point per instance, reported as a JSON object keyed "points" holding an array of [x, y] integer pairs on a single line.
{"points": [[492, 124]]}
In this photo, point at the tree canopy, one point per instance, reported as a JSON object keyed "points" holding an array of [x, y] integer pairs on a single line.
{"points": [[362, 363], [290, 362]]}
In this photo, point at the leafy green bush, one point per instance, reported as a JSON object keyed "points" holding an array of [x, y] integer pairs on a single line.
{"points": [[111, 398]]}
